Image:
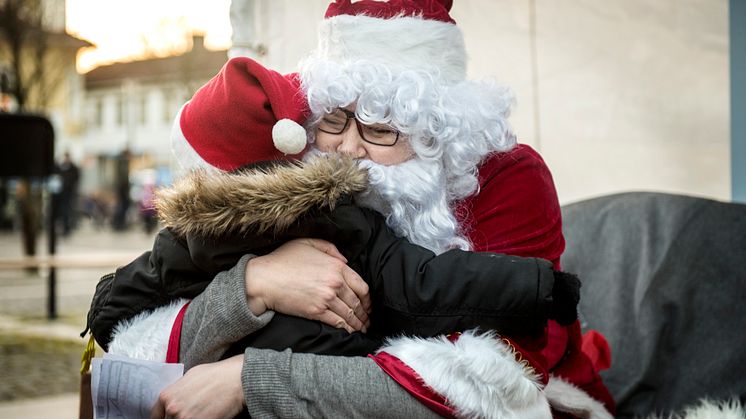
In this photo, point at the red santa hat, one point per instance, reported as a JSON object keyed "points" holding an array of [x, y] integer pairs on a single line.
{"points": [[245, 114], [400, 34]]}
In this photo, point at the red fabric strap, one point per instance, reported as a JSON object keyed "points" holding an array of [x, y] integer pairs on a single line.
{"points": [[411, 381], [172, 355]]}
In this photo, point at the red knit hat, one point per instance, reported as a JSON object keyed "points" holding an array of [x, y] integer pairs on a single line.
{"points": [[245, 114]]}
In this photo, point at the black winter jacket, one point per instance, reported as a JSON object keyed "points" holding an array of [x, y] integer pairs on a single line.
{"points": [[215, 220]]}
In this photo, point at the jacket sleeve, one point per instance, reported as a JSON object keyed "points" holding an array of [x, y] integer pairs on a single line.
{"points": [[212, 322], [424, 294], [182, 267], [283, 332], [306, 336], [153, 280]]}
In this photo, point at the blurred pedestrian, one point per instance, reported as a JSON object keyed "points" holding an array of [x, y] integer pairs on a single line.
{"points": [[68, 200], [148, 213], [6, 223], [122, 190], [28, 199]]}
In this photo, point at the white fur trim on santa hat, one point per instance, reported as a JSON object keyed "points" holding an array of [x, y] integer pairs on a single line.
{"points": [[186, 158], [288, 136], [478, 375], [567, 398], [400, 44], [146, 335]]}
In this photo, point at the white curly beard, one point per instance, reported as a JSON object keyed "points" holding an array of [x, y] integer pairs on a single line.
{"points": [[413, 198]]}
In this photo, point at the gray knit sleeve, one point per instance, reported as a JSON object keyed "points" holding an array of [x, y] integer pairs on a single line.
{"points": [[218, 317], [291, 385]]}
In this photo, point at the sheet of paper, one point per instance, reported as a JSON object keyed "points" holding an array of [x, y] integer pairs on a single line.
{"points": [[124, 387], [95, 372]]}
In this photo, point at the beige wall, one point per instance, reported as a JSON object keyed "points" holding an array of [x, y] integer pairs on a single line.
{"points": [[632, 94]]}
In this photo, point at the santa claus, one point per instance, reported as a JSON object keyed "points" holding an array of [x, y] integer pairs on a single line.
{"points": [[387, 86]]}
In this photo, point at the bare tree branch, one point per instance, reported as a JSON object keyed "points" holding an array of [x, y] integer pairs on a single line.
{"points": [[27, 42]]}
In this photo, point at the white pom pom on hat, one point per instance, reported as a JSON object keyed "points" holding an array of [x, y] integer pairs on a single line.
{"points": [[288, 136], [245, 114]]}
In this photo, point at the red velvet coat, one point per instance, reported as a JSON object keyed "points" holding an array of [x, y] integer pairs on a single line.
{"points": [[516, 212]]}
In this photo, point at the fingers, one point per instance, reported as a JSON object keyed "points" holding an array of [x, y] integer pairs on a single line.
{"points": [[330, 291], [354, 302], [352, 309], [159, 409], [349, 297], [334, 320], [359, 287], [347, 314], [206, 391], [327, 248]]}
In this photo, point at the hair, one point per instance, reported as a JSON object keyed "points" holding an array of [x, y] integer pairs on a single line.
{"points": [[456, 124], [413, 197]]}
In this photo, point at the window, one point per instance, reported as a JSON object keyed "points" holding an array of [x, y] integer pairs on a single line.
{"points": [[97, 119], [120, 110], [143, 109], [167, 108], [99, 113]]}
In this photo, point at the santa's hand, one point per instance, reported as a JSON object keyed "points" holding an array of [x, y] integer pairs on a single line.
{"points": [[309, 278], [205, 391], [565, 298]]}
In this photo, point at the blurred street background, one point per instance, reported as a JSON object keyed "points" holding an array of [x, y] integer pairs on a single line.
{"points": [[40, 358]]}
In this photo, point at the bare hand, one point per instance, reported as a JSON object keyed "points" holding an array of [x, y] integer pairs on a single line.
{"points": [[309, 278], [205, 391]]}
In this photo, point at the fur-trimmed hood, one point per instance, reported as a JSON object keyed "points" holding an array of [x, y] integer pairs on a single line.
{"points": [[259, 199]]}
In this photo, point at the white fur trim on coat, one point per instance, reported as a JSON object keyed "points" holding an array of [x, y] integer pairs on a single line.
{"points": [[146, 335], [567, 398], [478, 375], [415, 44], [709, 409]]}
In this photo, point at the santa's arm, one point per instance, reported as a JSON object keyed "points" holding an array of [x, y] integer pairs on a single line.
{"points": [[479, 376], [287, 384]]}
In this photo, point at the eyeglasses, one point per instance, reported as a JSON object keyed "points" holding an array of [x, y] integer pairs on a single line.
{"points": [[379, 134]]}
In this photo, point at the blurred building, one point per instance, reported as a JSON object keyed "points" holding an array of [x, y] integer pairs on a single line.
{"points": [[57, 89], [131, 105], [38, 75]]}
